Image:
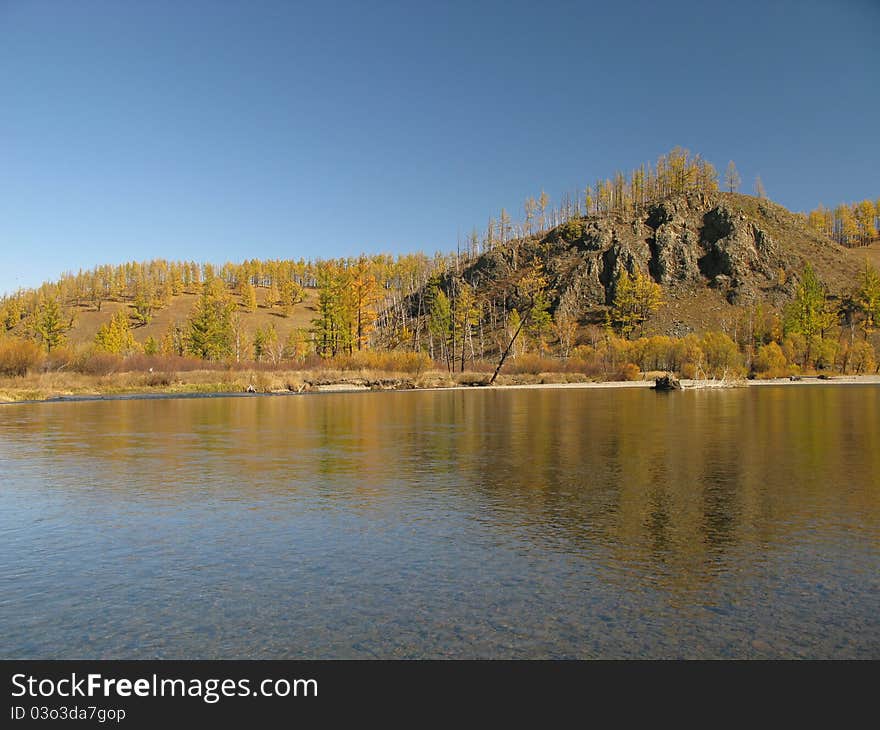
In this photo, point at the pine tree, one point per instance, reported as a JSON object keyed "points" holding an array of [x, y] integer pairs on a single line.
{"points": [[731, 178], [290, 294], [51, 323], [115, 336], [864, 214], [144, 300], [266, 344], [12, 313], [272, 295], [440, 320], [635, 299], [296, 346], [174, 341], [759, 188], [565, 327], [809, 314], [867, 299], [364, 291], [540, 321], [467, 316], [211, 325], [249, 298]]}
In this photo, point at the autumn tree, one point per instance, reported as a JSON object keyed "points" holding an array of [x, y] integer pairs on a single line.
{"points": [[144, 301], [539, 320], [249, 298], [151, 346], [363, 296], [175, 340], [759, 188], [211, 325], [290, 294], [51, 323], [543, 203], [865, 215], [115, 336], [11, 312], [635, 299], [333, 328], [439, 322], [266, 345], [867, 299], [565, 326], [809, 314], [731, 178], [467, 317], [296, 346], [272, 295]]}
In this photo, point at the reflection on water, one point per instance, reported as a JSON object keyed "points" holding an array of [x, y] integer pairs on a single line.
{"points": [[551, 523]]}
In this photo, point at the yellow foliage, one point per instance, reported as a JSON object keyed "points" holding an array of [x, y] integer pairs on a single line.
{"points": [[770, 361], [18, 356]]}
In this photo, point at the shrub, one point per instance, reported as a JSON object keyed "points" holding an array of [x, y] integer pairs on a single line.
{"points": [[157, 380], [571, 230], [168, 363], [689, 356], [18, 356], [61, 358], [533, 364], [862, 357], [92, 362], [628, 371], [721, 354], [770, 361], [395, 361], [825, 354], [795, 348]]}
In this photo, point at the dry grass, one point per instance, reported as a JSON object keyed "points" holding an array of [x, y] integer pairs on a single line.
{"points": [[43, 386], [88, 320]]}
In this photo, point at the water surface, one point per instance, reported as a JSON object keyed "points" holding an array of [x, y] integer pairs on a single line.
{"points": [[484, 523]]}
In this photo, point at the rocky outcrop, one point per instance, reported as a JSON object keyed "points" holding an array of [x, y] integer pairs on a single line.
{"points": [[742, 248], [707, 251]]}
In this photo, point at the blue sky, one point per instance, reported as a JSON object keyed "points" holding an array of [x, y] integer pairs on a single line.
{"points": [[229, 130]]}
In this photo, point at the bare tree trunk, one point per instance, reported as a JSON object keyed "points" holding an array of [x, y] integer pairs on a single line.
{"points": [[509, 345]]}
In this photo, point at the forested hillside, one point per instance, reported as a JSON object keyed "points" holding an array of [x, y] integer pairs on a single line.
{"points": [[636, 270]]}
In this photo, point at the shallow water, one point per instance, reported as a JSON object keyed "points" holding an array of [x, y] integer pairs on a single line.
{"points": [[483, 523]]}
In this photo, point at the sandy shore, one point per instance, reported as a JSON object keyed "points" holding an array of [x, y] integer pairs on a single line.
{"points": [[715, 384], [813, 380], [357, 388]]}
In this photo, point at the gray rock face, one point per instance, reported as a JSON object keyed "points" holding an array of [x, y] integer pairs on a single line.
{"points": [[680, 243], [673, 254], [721, 243]]}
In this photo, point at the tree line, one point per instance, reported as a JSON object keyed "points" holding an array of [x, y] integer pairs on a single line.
{"points": [[850, 224], [412, 302]]}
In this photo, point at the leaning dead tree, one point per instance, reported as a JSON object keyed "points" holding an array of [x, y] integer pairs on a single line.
{"points": [[509, 347]]}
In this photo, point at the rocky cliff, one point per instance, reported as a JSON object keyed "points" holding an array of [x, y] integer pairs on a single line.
{"points": [[709, 252]]}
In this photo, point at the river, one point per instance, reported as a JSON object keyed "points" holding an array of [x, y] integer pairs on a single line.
{"points": [[473, 523]]}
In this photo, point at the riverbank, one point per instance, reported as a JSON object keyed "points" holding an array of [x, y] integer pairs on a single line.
{"points": [[206, 383]]}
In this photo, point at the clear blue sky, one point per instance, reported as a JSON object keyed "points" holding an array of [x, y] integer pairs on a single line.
{"points": [[229, 130]]}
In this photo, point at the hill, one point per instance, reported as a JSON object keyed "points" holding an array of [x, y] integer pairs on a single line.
{"points": [[702, 261], [87, 319], [714, 254]]}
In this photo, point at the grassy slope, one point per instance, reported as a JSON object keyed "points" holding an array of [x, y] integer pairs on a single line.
{"points": [[88, 320]]}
